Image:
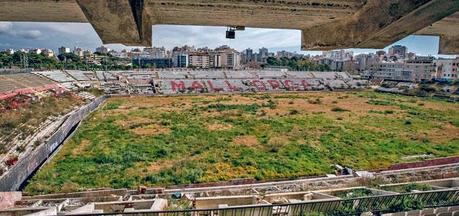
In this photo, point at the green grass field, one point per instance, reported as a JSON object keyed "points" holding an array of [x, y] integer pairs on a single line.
{"points": [[160, 141]]}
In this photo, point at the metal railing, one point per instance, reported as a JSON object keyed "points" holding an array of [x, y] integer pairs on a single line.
{"points": [[355, 206]]}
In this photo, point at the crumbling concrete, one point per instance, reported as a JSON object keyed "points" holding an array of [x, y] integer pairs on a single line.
{"points": [[347, 23]]}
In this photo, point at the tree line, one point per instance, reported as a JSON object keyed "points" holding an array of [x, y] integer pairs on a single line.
{"points": [[297, 64], [69, 61]]}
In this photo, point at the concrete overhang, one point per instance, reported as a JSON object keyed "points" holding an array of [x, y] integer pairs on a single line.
{"points": [[325, 24]]}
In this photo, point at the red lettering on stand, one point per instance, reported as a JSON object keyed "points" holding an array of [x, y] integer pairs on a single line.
{"points": [[305, 84], [178, 86], [274, 84], [259, 84], [289, 85], [230, 86], [196, 85]]}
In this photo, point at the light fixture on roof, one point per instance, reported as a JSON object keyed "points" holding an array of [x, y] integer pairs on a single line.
{"points": [[231, 31]]}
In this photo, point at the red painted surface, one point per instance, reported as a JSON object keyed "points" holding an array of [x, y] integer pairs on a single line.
{"points": [[230, 86], [10, 94], [258, 85], [180, 86], [434, 162], [196, 85], [274, 84]]}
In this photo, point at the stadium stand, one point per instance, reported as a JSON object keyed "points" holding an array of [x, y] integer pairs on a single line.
{"points": [[79, 75], [204, 81], [56, 75], [23, 83]]}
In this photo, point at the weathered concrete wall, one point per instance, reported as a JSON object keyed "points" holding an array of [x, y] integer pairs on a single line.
{"points": [[8, 199], [17, 175], [182, 82], [422, 173]]}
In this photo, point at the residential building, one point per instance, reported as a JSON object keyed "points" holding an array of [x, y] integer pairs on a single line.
{"points": [[154, 52], [78, 51], [412, 71], [48, 53], [35, 51], [180, 60], [263, 55], [363, 61], [247, 56], [225, 57], [446, 69], [102, 50], [63, 50], [152, 62], [9, 51], [398, 51], [199, 60], [338, 55]]}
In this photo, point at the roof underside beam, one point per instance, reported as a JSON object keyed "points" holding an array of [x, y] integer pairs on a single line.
{"points": [[117, 21], [378, 24]]}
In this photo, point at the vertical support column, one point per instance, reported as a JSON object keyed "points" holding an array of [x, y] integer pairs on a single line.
{"points": [[117, 21]]}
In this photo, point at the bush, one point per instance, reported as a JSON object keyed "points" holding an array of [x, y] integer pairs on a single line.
{"points": [[316, 101], [339, 109], [293, 112], [379, 102]]}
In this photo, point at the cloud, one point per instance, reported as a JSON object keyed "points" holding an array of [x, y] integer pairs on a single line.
{"points": [[8, 28], [31, 34], [53, 35], [5, 27]]}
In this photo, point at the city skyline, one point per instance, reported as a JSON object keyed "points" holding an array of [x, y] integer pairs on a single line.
{"points": [[18, 35]]}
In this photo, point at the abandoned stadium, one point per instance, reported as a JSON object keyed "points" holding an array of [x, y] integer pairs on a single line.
{"points": [[420, 188]]}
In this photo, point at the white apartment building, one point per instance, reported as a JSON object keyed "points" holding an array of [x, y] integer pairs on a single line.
{"points": [[102, 50], [78, 51], [411, 71], [63, 50], [48, 53], [446, 69], [199, 60]]}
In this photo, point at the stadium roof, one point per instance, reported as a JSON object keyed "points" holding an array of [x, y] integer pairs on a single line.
{"points": [[325, 24]]}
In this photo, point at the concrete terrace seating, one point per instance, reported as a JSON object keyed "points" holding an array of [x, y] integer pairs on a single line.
{"points": [[109, 76], [270, 74], [173, 75], [12, 82], [57, 76], [207, 74], [241, 75], [78, 75], [299, 75]]}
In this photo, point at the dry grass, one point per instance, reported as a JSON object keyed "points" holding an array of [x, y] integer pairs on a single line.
{"points": [[219, 127], [250, 141], [150, 130], [159, 141]]}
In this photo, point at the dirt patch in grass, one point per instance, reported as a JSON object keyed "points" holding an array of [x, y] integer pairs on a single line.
{"points": [[219, 127], [357, 106], [250, 141], [278, 141], [81, 147], [440, 106], [448, 132], [150, 130], [159, 165], [131, 121]]}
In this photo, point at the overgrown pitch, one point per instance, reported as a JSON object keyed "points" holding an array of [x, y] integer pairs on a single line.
{"points": [[191, 139]]}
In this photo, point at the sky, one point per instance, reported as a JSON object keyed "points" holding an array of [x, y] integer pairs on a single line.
{"points": [[53, 35]]}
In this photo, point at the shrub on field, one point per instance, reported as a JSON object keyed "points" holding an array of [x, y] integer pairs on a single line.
{"points": [[339, 109]]}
